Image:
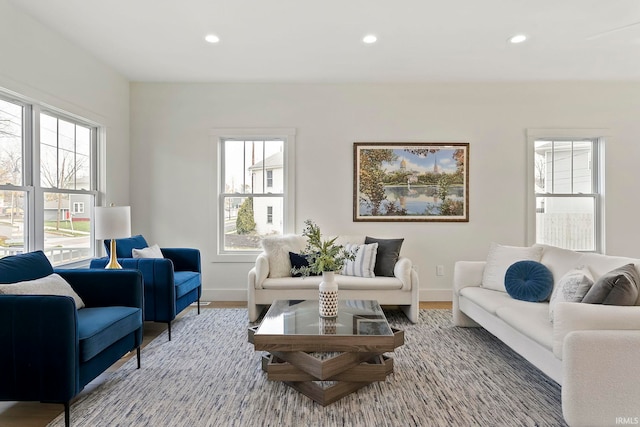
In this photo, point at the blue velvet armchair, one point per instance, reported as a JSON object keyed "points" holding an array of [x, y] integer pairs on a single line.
{"points": [[49, 349], [170, 283]]}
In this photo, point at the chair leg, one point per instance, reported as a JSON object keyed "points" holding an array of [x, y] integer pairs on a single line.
{"points": [[169, 324], [67, 421], [138, 355], [198, 305]]}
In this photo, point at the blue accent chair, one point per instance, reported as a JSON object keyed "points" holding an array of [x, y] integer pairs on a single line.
{"points": [[49, 350], [170, 283]]}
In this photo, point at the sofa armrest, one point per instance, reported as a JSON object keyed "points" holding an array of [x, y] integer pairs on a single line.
{"points": [[184, 259], [402, 271], [262, 270], [576, 316], [105, 288], [601, 377], [467, 273], [39, 341]]}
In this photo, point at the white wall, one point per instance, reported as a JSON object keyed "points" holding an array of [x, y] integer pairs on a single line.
{"points": [[40, 65], [173, 167]]}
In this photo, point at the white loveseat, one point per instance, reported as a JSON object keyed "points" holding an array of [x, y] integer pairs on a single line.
{"points": [[263, 288], [591, 350]]}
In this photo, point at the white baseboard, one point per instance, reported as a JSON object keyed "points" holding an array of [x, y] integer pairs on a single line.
{"points": [[241, 295], [435, 295]]}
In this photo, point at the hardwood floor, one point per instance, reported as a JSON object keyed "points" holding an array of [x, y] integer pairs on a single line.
{"points": [[36, 414]]}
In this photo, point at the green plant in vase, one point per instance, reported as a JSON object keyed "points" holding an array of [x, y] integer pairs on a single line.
{"points": [[322, 255]]}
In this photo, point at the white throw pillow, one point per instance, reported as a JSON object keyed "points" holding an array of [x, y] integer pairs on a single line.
{"points": [[572, 287], [365, 261], [52, 284], [150, 252], [277, 249], [500, 258]]}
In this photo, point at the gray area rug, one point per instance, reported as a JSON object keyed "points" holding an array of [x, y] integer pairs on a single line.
{"points": [[209, 375]]}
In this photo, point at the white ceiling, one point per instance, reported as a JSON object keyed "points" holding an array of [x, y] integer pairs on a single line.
{"points": [[321, 41]]}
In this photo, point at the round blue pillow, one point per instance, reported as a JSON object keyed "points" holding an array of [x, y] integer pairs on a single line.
{"points": [[528, 281]]}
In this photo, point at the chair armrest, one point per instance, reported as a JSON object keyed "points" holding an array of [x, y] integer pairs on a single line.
{"points": [[39, 341], [601, 377], [402, 271], [159, 285], [184, 259], [262, 269], [105, 288], [576, 316]]}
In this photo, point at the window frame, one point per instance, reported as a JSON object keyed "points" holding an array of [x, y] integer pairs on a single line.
{"points": [[597, 137], [31, 179], [218, 136]]}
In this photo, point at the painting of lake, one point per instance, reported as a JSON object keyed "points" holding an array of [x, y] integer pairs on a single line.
{"points": [[411, 182]]}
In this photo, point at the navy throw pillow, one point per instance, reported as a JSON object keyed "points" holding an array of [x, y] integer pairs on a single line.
{"points": [[299, 261], [528, 281], [125, 247]]}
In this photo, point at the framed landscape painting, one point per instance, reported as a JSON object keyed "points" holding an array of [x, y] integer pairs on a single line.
{"points": [[422, 181]]}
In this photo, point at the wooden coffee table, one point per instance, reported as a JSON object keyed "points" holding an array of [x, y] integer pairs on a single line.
{"points": [[326, 359]]}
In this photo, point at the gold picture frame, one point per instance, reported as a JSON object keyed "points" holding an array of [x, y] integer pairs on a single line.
{"points": [[421, 181]]}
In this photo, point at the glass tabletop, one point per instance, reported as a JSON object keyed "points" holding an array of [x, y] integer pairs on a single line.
{"points": [[296, 317]]}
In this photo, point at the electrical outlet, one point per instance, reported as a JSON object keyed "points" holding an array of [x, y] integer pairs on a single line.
{"points": [[439, 270]]}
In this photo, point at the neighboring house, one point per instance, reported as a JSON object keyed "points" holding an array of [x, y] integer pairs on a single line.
{"points": [[268, 177], [76, 207]]}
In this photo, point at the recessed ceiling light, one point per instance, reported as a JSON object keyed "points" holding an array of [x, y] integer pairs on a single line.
{"points": [[369, 38], [519, 38], [212, 38]]}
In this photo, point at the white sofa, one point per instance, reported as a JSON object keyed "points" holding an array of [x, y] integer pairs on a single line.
{"points": [[591, 350], [400, 290]]}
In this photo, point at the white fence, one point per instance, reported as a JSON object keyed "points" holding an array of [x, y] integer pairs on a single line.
{"points": [[566, 230]]}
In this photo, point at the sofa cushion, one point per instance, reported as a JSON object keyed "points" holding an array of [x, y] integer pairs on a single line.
{"points": [[488, 299], [617, 287], [528, 281], [531, 320], [364, 262], [277, 249], [572, 287], [125, 247], [152, 251], [185, 282], [52, 284], [500, 257], [99, 327], [387, 255], [559, 260], [344, 282], [26, 266]]}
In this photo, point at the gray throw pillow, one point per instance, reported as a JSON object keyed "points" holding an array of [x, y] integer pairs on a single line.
{"points": [[617, 287], [388, 254]]}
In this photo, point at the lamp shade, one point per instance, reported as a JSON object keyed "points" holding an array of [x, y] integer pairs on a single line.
{"points": [[112, 222]]}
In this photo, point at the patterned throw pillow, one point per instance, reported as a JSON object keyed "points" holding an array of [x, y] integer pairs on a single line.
{"points": [[364, 264], [572, 287]]}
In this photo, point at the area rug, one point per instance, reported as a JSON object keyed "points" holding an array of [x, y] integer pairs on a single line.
{"points": [[209, 375]]}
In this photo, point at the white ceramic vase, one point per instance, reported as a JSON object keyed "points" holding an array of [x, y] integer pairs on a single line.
{"points": [[328, 295]]}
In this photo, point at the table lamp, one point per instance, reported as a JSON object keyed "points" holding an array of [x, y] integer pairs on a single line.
{"points": [[113, 222]]}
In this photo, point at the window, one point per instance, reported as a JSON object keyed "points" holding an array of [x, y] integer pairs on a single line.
{"points": [[46, 205], [255, 181], [269, 214], [270, 179], [567, 191], [78, 207]]}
